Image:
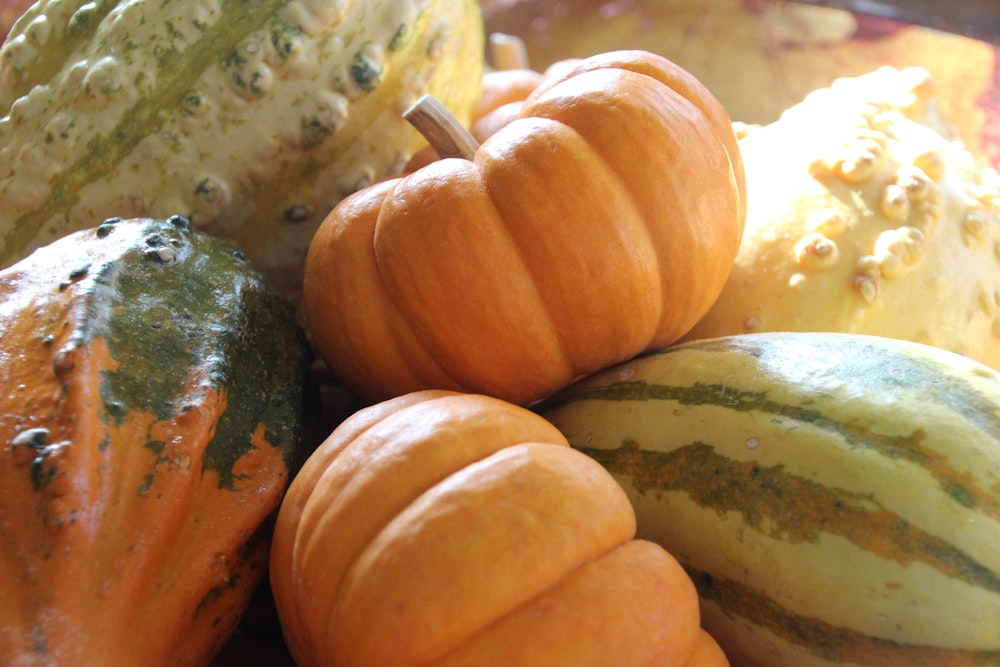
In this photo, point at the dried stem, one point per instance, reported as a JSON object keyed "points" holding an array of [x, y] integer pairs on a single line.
{"points": [[508, 52], [442, 130]]}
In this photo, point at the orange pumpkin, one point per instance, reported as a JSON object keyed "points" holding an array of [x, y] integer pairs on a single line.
{"points": [[599, 224], [449, 529]]}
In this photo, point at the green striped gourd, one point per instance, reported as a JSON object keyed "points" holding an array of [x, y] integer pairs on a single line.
{"points": [[252, 119], [835, 497]]}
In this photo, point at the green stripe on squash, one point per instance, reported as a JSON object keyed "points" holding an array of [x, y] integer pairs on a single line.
{"points": [[834, 644], [795, 508], [836, 497]]}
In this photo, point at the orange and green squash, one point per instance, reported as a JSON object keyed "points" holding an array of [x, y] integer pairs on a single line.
{"points": [[599, 224], [445, 529], [152, 414]]}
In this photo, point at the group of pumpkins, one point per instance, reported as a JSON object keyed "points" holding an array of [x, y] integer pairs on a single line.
{"points": [[596, 221], [590, 214], [446, 523], [594, 213]]}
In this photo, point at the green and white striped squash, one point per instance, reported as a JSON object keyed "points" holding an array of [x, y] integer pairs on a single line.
{"points": [[252, 118], [835, 497]]}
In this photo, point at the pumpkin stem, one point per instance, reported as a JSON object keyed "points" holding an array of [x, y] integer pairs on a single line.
{"points": [[442, 130], [508, 52]]}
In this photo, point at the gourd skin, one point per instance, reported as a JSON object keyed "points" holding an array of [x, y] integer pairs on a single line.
{"points": [[835, 497], [251, 119], [867, 215], [449, 529], [599, 224], [152, 417]]}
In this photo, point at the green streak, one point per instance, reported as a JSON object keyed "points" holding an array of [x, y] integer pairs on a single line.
{"points": [[874, 370], [829, 642], [200, 321], [789, 507]]}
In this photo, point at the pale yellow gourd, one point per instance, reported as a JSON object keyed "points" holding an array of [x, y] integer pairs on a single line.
{"points": [[866, 215]]}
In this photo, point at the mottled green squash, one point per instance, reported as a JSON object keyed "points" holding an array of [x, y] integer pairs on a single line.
{"points": [[152, 415], [835, 497], [251, 118]]}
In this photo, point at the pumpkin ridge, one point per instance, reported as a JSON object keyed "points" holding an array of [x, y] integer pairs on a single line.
{"points": [[539, 593], [685, 85], [369, 453], [487, 445], [685, 125], [454, 492], [560, 358], [580, 368], [483, 303], [603, 294], [286, 559], [426, 377]]}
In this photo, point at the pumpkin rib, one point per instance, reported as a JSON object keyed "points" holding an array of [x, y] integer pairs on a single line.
{"points": [[285, 561], [409, 442], [502, 322], [503, 494], [350, 229], [674, 78], [649, 618], [507, 167], [656, 134]]}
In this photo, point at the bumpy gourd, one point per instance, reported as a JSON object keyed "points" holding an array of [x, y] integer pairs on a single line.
{"points": [[459, 530], [251, 119], [866, 215], [151, 417], [600, 223], [835, 497]]}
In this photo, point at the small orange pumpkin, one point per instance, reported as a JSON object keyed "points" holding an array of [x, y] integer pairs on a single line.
{"points": [[599, 224], [450, 529]]}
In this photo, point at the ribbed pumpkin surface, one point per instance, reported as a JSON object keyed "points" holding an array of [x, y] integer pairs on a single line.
{"points": [[835, 497]]}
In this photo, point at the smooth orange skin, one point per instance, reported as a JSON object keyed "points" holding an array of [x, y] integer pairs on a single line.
{"points": [[441, 528], [707, 652], [599, 224], [633, 607]]}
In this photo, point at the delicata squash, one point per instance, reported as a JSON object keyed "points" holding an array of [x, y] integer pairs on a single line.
{"points": [[151, 416]]}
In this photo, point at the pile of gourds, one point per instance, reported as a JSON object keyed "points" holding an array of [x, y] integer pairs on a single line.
{"points": [[574, 220], [596, 225]]}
